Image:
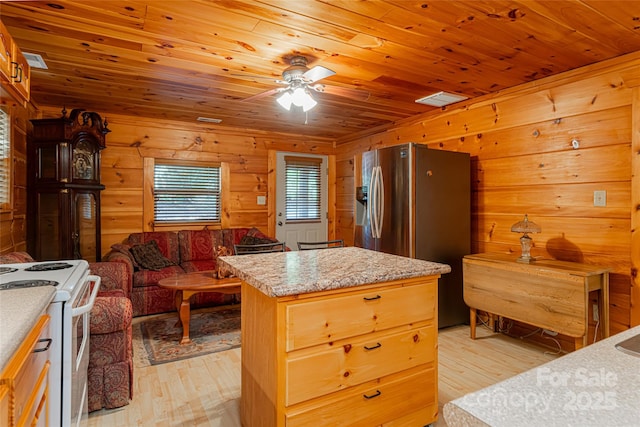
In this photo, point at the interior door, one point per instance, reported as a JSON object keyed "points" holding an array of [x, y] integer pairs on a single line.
{"points": [[294, 223]]}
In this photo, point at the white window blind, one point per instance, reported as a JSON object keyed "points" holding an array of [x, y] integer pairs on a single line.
{"points": [[186, 193], [5, 159], [303, 186]]}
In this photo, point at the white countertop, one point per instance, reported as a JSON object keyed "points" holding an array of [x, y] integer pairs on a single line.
{"points": [[20, 309], [597, 385], [298, 272]]}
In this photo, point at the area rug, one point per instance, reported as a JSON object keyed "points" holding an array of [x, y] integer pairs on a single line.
{"points": [[211, 330]]}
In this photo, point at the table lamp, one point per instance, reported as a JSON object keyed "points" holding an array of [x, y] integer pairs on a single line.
{"points": [[525, 226]]}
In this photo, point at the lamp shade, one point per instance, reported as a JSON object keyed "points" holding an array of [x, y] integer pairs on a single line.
{"points": [[526, 226], [285, 100], [308, 103]]}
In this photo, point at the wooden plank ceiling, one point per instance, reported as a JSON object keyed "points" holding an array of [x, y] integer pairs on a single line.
{"points": [[180, 60]]}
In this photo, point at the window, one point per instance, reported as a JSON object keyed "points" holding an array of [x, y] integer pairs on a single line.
{"points": [[303, 187], [186, 193], [5, 160]]}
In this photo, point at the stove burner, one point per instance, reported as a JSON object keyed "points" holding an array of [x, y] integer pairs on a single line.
{"points": [[27, 284], [49, 266], [7, 270]]}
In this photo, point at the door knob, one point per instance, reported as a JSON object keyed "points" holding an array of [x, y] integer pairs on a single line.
{"points": [[280, 223]]}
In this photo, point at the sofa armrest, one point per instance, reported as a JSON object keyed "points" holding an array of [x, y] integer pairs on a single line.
{"points": [[115, 276]]}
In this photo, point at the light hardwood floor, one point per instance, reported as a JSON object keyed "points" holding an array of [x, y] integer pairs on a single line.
{"points": [[205, 391]]}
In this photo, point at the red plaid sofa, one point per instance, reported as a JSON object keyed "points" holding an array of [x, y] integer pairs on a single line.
{"points": [[185, 251]]}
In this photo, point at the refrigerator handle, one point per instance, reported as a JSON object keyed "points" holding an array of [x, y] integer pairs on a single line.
{"points": [[380, 201], [371, 202]]}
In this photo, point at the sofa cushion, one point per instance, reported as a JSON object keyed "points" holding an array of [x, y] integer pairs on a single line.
{"points": [[143, 278], [110, 314], [167, 242], [148, 256], [199, 265], [197, 245]]}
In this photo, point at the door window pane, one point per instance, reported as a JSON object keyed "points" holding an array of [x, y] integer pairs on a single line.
{"points": [[303, 188]]}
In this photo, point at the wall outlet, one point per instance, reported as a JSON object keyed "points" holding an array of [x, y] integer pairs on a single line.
{"points": [[596, 314], [600, 198], [549, 332]]}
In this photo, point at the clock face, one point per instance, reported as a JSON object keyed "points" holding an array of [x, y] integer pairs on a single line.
{"points": [[83, 162]]}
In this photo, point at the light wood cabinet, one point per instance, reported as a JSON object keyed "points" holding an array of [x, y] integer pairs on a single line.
{"points": [[4, 403], [25, 380], [547, 293], [358, 356], [15, 72]]}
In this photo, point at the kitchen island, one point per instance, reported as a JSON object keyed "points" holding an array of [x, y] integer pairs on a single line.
{"points": [[337, 334], [597, 385]]}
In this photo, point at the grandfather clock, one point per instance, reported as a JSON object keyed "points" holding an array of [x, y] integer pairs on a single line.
{"points": [[63, 165]]}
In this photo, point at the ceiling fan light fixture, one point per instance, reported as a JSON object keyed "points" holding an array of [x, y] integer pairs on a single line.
{"points": [[299, 97], [309, 103], [285, 100]]}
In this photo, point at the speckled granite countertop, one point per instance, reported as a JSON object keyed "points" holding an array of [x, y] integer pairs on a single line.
{"points": [[597, 385], [20, 309], [299, 272]]}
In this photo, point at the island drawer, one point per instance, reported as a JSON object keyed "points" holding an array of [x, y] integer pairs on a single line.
{"points": [[357, 361], [331, 318], [373, 403]]}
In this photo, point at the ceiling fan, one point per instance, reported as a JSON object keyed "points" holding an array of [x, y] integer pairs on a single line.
{"points": [[300, 81]]}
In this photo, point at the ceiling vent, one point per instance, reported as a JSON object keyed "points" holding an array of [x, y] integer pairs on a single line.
{"points": [[208, 120], [35, 60], [441, 99]]}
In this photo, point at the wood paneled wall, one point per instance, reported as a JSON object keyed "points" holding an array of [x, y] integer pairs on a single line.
{"points": [[134, 142], [523, 162]]}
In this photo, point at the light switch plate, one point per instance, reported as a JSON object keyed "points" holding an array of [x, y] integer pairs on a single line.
{"points": [[262, 200], [600, 198]]}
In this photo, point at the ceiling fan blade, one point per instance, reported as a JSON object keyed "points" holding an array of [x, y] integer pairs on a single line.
{"points": [[347, 92], [263, 94], [317, 73]]}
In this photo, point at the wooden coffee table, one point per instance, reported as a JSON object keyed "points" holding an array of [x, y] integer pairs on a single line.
{"points": [[188, 284]]}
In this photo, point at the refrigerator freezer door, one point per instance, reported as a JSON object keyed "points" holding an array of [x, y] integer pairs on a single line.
{"points": [[395, 164]]}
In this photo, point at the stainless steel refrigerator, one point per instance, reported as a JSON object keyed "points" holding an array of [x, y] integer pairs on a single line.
{"points": [[416, 202]]}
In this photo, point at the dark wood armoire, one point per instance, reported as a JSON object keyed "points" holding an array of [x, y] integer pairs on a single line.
{"points": [[63, 163]]}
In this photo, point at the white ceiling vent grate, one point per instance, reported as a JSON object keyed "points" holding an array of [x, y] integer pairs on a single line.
{"points": [[441, 99], [35, 60], [209, 120]]}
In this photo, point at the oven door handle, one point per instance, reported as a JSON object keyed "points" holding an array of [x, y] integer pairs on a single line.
{"points": [[94, 292]]}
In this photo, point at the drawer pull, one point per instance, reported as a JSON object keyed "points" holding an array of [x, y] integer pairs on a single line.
{"points": [[40, 350], [371, 396], [372, 298], [378, 345]]}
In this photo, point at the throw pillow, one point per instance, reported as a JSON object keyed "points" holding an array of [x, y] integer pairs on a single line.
{"points": [[253, 240], [148, 256], [254, 232]]}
